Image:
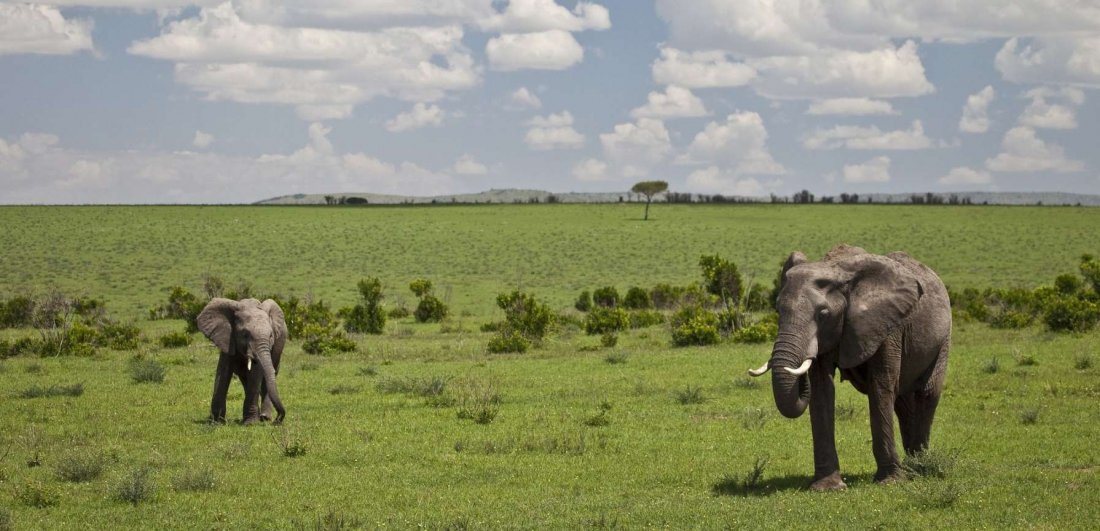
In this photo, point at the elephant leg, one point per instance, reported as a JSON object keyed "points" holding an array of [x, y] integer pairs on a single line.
{"points": [[222, 376], [252, 381], [822, 423], [917, 409], [885, 370]]}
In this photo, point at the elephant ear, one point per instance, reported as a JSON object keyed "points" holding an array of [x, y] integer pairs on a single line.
{"points": [[794, 259], [882, 295], [278, 322], [216, 322]]}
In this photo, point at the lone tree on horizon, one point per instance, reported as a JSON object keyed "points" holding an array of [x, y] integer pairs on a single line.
{"points": [[649, 189]]}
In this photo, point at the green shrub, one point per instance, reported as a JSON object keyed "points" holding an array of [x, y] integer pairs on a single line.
{"points": [[147, 371], [664, 296], [604, 319], [399, 312], [38, 495], [721, 278], [1071, 314], [694, 325], [608, 297], [175, 340], [583, 302], [758, 299], [646, 318], [508, 340], [24, 346], [430, 310], [119, 336], [17, 312], [299, 313], [1011, 319], [137, 487], [1090, 269], [731, 320], [421, 287], [367, 317], [524, 315], [761, 332], [637, 299], [1068, 284], [324, 341], [80, 467], [609, 339]]}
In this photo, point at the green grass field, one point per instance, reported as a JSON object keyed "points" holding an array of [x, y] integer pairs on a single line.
{"points": [[577, 441]]}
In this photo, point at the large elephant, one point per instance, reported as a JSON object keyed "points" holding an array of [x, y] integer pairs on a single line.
{"points": [[885, 322], [250, 336]]}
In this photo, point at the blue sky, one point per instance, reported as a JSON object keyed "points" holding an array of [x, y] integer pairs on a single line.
{"points": [[170, 101]]}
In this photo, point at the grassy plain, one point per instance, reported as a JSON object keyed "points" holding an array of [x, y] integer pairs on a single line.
{"points": [[1024, 434]]}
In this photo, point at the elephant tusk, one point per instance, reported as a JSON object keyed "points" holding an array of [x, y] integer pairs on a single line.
{"points": [[801, 368], [250, 364], [759, 372]]}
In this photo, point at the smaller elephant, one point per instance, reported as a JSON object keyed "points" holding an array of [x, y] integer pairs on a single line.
{"points": [[250, 336], [885, 323]]}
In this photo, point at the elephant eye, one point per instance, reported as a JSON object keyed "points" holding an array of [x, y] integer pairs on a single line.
{"points": [[823, 313]]}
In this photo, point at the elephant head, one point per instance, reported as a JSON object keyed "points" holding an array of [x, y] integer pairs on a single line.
{"points": [[845, 305], [247, 332]]}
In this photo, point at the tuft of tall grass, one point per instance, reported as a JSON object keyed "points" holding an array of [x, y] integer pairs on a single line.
{"points": [[200, 479], [690, 395], [80, 467], [136, 487], [35, 391], [147, 371]]}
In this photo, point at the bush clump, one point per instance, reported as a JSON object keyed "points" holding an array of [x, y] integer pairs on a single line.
{"points": [[430, 309], [607, 297], [1072, 314], [694, 325], [637, 299], [175, 340], [602, 320], [583, 302], [526, 322], [721, 278], [323, 341], [147, 371], [761, 332], [646, 318], [367, 317]]}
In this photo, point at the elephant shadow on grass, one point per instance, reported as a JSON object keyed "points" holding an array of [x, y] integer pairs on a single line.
{"points": [[746, 487]]}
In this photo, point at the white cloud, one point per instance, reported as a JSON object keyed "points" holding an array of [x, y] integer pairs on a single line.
{"points": [[64, 175], [850, 106], [468, 165], [675, 102], [876, 170], [40, 29], [324, 73], [421, 115], [636, 147], [590, 170], [739, 144], [713, 180], [553, 132], [868, 138], [529, 16], [202, 139], [885, 72], [705, 69], [964, 176], [1070, 60], [1023, 151], [975, 117], [526, 99], [546, 50], [1043, 115]]}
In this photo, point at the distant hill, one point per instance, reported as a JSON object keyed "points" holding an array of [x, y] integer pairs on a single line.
{"points": [[513, 195]]}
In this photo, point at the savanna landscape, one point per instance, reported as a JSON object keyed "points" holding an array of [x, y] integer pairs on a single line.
{"points": [[423, 426]]}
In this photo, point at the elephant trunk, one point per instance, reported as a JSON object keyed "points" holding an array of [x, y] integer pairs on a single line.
{"points": [[791, 391], [270, 386]]}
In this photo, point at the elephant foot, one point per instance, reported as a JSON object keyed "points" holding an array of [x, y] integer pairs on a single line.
{"points": [[265, 418], [215, 420], [248, 421], [889, 475], [831, 482]]}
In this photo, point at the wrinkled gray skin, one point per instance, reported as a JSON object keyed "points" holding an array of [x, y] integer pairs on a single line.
{"points": [[885, 322], [250, 336]]}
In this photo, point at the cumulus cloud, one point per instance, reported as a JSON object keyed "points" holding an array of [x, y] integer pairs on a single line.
{"points": [[324, 73], [590, 170], [524, 98], [1041, 114], [713, 180], [886, 72], [546, 50], [421, 115], [468, 165], [850, 106], [202, 139], [553, 132], [868, 138], [675, 102], [739, 145], [975, 117], [876, 170], [36, 168], [1023, 151], [1063, 59], [530, 16], [703, 69], [636, 147], [964, 176], [41, 29]]}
